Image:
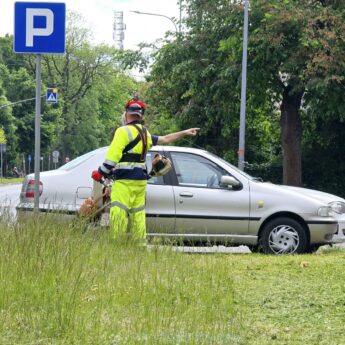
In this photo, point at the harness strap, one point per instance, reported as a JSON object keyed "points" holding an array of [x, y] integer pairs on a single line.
{"points": [[131, 157], [135, 157], [143, 137], [132, 144]]}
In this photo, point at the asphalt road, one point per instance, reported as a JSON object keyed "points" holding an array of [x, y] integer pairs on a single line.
{"points": [[9, 197]]}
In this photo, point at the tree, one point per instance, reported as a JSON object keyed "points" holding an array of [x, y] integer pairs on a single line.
{"points": [[2, 136], [79, 75], [195, 82], [296, 52], [92, 90], [7, 122]]}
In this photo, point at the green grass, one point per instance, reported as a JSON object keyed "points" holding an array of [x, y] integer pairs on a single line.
{"points": [[4, 181], [60, 284]]}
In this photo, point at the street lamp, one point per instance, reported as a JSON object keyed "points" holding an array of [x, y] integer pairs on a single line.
{"points": [[158, 15], [18, 102], [243, 89]]}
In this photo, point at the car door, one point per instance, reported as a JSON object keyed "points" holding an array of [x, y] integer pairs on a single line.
{"points": [[203, 206], [160, 203]]}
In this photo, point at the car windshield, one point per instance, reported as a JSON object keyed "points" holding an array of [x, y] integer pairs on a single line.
{"points": [[79, 160], [238, 170]]}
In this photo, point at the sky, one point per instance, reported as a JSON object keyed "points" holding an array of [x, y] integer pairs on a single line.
{"points": [[99, 15]]}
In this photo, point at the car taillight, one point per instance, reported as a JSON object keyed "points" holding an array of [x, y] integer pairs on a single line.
{"points": [[30, 189]]}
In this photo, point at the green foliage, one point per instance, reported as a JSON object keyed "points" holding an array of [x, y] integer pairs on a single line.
{"points": [[196, 79], [295, 66], [7, 121], [2, 136], [92, 92]]}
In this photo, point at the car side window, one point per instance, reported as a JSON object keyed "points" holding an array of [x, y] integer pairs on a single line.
{"points": [[156, 179], [196, 171]]}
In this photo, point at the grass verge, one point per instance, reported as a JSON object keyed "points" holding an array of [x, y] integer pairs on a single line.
{"points": [[4, 181], [60, 284]]}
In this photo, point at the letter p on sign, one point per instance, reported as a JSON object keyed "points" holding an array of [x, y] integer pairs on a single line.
{"points": [[31, 31], [39, 27]]}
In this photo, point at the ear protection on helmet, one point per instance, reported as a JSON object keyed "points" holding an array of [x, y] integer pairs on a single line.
{"points": [[135, 107]]}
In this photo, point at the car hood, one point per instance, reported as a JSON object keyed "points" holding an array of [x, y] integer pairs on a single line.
{"points": [[320, 196]]}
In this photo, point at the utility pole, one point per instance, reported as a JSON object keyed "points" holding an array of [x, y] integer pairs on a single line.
{"points": [[241, 149], [180, 21]]}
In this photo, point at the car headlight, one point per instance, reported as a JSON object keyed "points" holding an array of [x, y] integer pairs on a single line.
{"points": [[338, 206], [325, 211]]}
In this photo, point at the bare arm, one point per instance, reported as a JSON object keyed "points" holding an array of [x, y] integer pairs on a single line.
{"points": [[169, 138]]}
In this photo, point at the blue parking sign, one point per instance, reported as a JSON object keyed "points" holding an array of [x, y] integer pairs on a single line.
{"points": [[39, 27]]}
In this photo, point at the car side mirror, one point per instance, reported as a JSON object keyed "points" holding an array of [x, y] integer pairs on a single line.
{"points": [[229, 181]]}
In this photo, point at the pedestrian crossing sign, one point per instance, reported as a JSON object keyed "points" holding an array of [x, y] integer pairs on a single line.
{"points": [[52, 96]]}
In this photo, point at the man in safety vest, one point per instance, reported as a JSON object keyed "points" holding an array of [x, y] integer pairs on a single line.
{"points": [[125, 162]]}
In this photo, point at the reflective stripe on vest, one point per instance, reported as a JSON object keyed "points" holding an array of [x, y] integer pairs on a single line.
{"points": [[130, 137], [105, 170], [129, 166], [109, 162]]}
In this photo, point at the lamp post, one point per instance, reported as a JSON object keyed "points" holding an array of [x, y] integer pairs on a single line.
{"points": [[158, 15], [18, 102], [243, 89]]}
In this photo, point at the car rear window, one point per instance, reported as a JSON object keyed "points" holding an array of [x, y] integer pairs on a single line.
{"points": [[79, 160]]}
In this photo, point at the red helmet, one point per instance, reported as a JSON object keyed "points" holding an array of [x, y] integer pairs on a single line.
{"points": [[135, 107]]}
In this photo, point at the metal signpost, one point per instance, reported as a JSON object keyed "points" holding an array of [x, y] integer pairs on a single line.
{"points": [[24, 168], [29, 161], [2, 149], [241, 149], [39, 28], [56, 155]]}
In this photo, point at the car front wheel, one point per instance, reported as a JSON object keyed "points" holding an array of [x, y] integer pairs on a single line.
{"points": [[283, 236]]}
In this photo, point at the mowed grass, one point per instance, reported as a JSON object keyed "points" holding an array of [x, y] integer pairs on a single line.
{"points": [[4, 181], [63, 284]]}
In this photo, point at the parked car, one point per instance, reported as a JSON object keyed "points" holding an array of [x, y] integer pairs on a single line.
{"points": [[205, 198]]}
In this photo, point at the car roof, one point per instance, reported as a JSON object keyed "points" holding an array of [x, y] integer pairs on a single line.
{"points": [[170, 149], [178, 149]]}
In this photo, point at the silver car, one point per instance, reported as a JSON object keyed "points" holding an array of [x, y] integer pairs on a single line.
{"points": [[206, 199]]}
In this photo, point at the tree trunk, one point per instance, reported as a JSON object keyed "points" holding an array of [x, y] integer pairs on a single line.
{"points": [[291, 136]]}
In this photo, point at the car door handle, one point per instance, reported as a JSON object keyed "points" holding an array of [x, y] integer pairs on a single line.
{"points": [[186, 194]]}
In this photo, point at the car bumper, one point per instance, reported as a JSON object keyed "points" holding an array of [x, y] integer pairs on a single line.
{"points": [[26, 209], [339, 236], [322, 232]]}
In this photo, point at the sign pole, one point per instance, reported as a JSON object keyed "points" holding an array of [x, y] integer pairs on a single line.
{"points": [[37, 133], [242, 140], [1, 162], [45, 37]]}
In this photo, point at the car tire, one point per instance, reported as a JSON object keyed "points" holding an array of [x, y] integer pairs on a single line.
{"points": [[283, 236], [313, 248], [254, 248]]}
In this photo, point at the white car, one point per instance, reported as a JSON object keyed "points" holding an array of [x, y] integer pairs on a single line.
{"points": [[204, 198]]}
